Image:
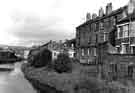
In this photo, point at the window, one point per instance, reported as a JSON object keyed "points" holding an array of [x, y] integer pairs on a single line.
{"points": [[113, 67], [130, 71], [133, 49], [88, 52], [125, 30], [118, 49], [114, 21], [95, 27], [55, 54], [101, 26], [105, 36], [119, 32], [82, 52], [72, 45], [95, 52], [125, 48]]}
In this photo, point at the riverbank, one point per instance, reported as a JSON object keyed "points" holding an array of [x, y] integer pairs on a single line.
{"points": [[79, 81], [66, 82]]}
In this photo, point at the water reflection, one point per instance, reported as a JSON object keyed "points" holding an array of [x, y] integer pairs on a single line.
{"points": [[14, 81]]}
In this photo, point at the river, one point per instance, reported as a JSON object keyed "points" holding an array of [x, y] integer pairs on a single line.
{"points": [[14, 81]]}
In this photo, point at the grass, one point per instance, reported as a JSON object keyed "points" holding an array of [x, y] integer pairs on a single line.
{"points": [[79, 80]]}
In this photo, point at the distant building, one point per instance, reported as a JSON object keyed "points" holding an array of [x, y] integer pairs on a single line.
{"points": [[67, 47], [55, 53], [54, 47], [70, 46], [26, 52]]}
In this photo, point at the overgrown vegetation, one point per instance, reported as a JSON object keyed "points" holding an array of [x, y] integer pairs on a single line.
{"points": [[63, 63], [75, 82], [82, 79]]}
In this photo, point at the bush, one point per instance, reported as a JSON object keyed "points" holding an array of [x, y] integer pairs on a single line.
{"points": [[63, 63], [40, 57]]}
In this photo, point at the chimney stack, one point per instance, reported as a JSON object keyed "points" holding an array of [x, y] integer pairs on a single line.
{"points": [[88, 16], [131, 6], [108, 8], [94, 15], [101, 12]]}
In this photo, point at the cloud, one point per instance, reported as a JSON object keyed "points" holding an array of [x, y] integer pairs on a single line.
{"points": [[24, 21], [34, 28]]}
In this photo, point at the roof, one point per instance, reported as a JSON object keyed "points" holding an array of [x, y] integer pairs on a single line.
{"points": [[127, 19], [119, 10], [6, 51], [71, 41], [46, 44]]}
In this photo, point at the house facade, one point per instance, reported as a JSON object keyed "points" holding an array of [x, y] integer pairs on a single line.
{"points": [[109, 41], [56, 48], [70, 46], [96, 31], [125, 39]]}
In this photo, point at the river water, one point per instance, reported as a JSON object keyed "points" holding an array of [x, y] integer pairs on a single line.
{"points": [[14, 81]]}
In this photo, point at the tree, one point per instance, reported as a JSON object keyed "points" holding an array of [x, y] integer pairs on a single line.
{"points": [[63, 63], [40, 57]]}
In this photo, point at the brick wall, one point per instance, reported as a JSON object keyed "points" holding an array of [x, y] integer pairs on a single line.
{"points": [[115, 66]]}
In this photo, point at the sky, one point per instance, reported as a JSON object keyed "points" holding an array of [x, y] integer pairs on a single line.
{"points": [[24, 22]]}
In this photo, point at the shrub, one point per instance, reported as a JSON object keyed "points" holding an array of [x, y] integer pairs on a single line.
{"points": [[63, 63], [89, 85]]}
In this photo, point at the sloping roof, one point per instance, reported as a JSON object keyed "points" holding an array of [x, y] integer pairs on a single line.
{"points": [[71, 41], [114, 12], [127, 19]]}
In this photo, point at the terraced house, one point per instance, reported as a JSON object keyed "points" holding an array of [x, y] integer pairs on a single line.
{"points": [[125, 40], [115, 27]]}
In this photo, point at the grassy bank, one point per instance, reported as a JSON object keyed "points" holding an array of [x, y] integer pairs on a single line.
{"points": [[78, 81]]}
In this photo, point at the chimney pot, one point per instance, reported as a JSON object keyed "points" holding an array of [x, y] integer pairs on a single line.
{"points": [[101, 12], [88, 16], [94, 15], [108, 8]]}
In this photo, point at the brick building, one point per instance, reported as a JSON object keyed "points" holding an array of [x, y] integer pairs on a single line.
{"points": [[125, 39], [61, 47], [108, 40], [69, 46], [97, 30]]}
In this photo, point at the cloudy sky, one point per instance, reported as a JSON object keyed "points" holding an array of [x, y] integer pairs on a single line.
{"points": [[25, 21]]}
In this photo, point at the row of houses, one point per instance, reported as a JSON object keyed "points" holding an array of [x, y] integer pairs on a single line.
{"points": [[108, 41], [61, 47], [114, 26]]}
